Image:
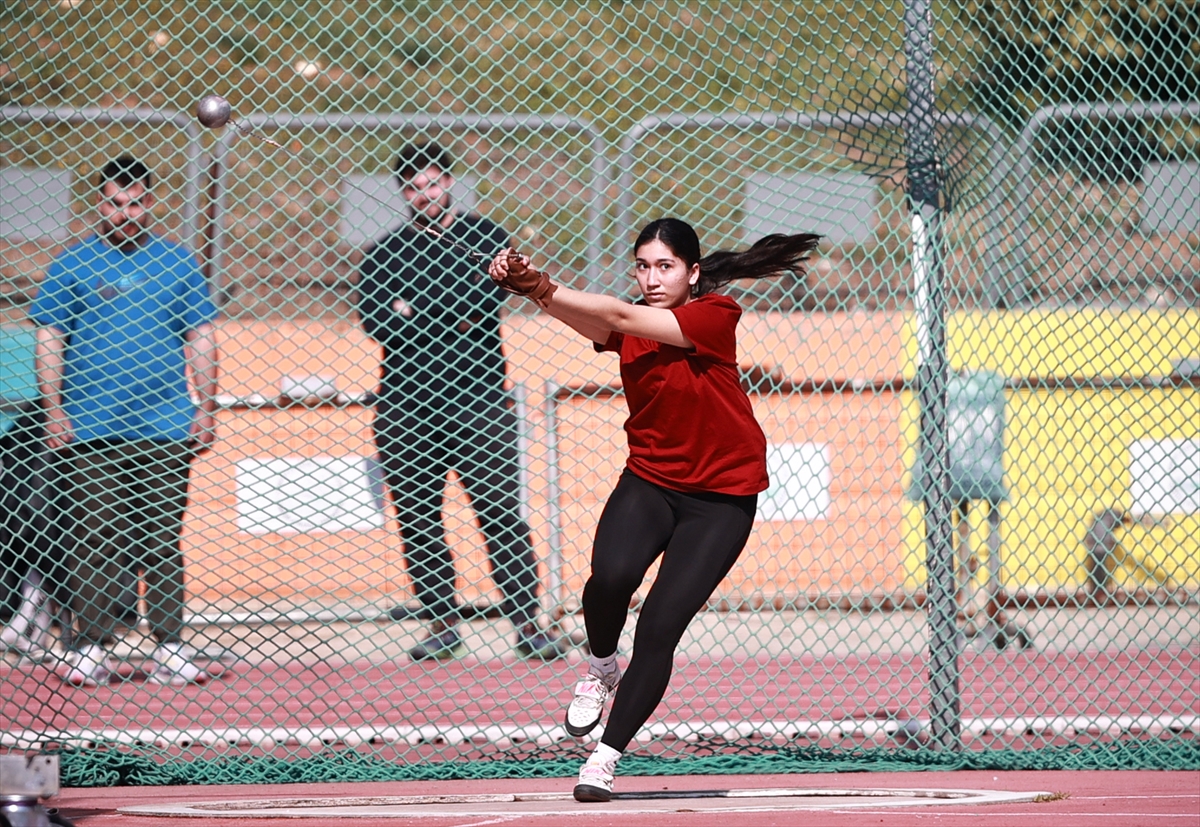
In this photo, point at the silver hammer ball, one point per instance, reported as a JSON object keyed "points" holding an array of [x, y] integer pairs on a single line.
{"points": [[213, 111]]}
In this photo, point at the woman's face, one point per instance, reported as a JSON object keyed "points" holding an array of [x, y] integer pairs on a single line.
{"points": [[664, 278]]}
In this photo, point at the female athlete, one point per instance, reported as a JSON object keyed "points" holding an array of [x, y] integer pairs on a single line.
{"points": [[697, 462]]}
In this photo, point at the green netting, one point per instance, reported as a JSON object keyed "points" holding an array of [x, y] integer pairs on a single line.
{"points": [[979, 548], [106, 769]]}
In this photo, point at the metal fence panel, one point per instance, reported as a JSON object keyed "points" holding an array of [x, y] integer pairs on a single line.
{"points": [[1007, 289]]}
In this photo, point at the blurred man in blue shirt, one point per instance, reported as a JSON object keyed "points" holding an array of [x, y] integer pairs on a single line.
{"points": [[124, 314]]}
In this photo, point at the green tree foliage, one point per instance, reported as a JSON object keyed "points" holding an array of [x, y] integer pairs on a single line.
{"points": [[1042, 53], [1039, 54]]}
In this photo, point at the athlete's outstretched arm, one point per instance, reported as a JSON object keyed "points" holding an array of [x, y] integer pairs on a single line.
{"points": [[596, 316], [582, 323], [608, 313]]}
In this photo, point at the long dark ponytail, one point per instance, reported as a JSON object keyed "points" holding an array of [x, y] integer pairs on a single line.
{"points": [[770, 256]]}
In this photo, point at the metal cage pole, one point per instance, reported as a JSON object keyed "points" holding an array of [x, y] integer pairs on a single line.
{"points": [[926, 197], [554, 560]]}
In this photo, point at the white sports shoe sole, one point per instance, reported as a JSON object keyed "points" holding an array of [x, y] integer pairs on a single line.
{"points": [[90, 669], [174, 667], [595, 784]]}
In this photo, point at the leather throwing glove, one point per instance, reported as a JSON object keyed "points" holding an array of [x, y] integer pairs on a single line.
{"points": [[524, 280]]}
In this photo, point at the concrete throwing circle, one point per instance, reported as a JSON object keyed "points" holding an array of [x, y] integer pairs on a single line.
{"points": [[536, 804]]}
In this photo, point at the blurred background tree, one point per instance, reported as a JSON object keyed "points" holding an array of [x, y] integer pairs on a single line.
{"points": [[1039, 54], [1044, 53]]}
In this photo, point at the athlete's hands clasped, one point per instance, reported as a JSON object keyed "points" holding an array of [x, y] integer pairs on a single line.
{"points": [[515, 274]]}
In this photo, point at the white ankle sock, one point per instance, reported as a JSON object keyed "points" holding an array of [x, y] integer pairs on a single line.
{"points": [[605, 755], [605, 667]]}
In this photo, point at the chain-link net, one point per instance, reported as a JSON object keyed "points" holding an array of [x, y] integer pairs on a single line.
{"points": [[979, 547]]}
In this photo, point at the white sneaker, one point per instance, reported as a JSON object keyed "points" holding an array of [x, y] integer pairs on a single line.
{"points": [[34, 645], [591, 694], [28, 633], [9, 637], [18, 641], [91, 667], [174, 667], [596, 776]]}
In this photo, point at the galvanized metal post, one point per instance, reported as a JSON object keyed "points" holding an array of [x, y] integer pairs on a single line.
{"points": [[927, 199]]}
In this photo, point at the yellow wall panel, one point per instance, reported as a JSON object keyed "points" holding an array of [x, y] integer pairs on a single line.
{"points": [[1067, 450], [1079, 342]]}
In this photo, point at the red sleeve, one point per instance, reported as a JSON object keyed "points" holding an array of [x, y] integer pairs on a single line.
{"points": [[710, 323], [613, 345]]}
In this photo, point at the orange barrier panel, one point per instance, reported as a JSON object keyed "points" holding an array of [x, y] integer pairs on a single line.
{"points": [[854, 550]]}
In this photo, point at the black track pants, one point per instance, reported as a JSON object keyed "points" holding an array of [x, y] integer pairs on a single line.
{"points": [[700, 537], [417, 452]]}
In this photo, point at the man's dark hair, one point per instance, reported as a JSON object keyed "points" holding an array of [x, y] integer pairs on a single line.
{"points": [[125, 171], [416, 158]]}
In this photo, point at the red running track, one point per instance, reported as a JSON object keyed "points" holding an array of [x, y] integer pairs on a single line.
{"points": [[514, 693], [1081, 799]]}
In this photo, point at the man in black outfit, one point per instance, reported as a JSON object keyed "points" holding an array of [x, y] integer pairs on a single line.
{"points": [[442, 405]]}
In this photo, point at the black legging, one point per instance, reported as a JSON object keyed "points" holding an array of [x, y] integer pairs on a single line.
{"points": [[700, 537], [32, 520], [417, 449]]}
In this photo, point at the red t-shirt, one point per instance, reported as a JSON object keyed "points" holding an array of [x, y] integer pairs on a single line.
{"points": [[691, 426]]}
